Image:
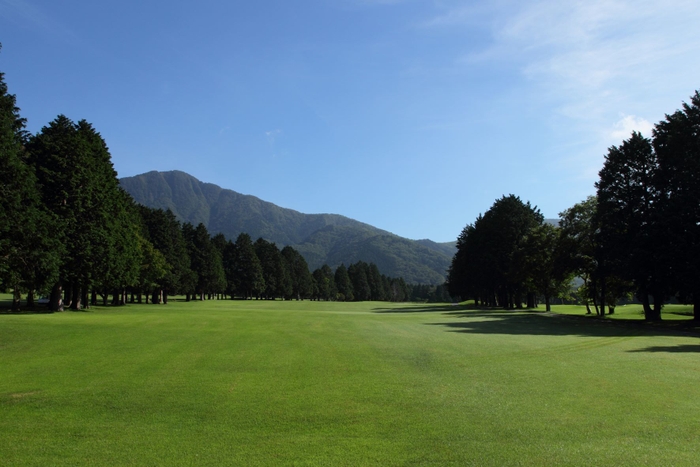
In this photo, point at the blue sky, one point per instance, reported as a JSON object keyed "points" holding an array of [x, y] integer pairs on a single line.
{"points": [[413, 116]]}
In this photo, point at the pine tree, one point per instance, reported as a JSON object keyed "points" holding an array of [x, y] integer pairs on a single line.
{"points": [[343, 283], [79, 185], [29, 249]]}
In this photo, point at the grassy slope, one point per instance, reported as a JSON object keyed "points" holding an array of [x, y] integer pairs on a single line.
{"points": [[287, 383]]}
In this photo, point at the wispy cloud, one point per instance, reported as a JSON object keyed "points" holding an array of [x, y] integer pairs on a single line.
{"points": [[272, 136], [27, 14], [607, 67]]}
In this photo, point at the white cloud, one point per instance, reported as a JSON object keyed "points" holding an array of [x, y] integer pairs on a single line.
{"points": [[591, 62], [623, 128]]}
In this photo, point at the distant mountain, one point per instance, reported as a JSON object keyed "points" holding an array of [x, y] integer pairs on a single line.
{"points": [[321, 238]]}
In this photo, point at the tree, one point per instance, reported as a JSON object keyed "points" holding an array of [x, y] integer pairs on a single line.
{"points": [[301, 278], [277, 280], [343, 284], [164, 231], [676, 141], [491, 260], [376, 285], [205, 261], [29, 249], [80, 187], [324, 282], [546, 262], [578, 244], [246, 269], [360, 282], [632, 242]]}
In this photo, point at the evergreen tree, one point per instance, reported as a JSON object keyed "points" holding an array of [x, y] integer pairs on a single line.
{"points": [[246, 270], [164, 231], [578, 231], [360, 283], [205, 261], [492, 256], [324, 283], [676, 141], [632, 241], [29, 250], [298, 269], [277, 280], [79, 185], [376, 285], [343, 283]]}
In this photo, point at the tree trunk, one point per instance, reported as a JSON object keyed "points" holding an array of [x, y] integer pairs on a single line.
{"points": [[656, 312], [30, 299], [648, 312], [84, 298], [16, 298], [55, 302], [530, 300], [75, 300], [93, 300], [68, 295], [547, 305]]}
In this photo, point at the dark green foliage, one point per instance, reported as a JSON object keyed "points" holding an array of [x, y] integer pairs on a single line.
{"points": [[278, 282], [632, 238], [343, 284], [579, 248], [165, 233], [79, 185], [205, 260], [492, 255], [376, 285], [245, 268], [320, 238], [29, 248], [677, 146], [324, 283], [301, 278], [358, 273], [546, 262]]}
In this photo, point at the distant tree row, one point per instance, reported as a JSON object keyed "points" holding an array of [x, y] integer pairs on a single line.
{"points": [[203, 267], [640, 234], [69, 231]]}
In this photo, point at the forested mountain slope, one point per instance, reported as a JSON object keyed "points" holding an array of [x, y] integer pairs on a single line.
{"points": [[321, 238]]}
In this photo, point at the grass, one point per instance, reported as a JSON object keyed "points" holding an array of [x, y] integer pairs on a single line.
{"points": [[309, 383]]}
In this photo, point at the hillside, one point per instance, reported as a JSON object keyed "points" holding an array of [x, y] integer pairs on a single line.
{"points": [[321, 238]]}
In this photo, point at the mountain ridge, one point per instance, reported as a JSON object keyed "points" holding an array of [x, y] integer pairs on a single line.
{"points": [[330, 239]]}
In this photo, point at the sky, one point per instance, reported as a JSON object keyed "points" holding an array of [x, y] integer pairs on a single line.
{"points": [[412, 116]]}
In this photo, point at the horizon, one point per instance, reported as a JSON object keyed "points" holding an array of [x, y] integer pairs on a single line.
{"points": [[408, 116]]}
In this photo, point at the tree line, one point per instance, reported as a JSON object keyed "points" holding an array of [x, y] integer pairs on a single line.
{"points": [[69, 231], [638, 236]]}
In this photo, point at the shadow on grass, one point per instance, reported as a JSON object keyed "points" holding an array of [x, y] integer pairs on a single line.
{"points": [[550, 324], [670, 348], [426, 308]]}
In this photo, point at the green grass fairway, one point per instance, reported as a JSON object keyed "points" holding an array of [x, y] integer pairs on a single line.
{"points": [[331, 384]]}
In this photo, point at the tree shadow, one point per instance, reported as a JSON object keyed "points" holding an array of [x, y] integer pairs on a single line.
{"points": [[549, 324], [670, 348], [425, 308]]}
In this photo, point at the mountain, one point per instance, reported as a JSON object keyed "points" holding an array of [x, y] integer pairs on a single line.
{"points": [[321, 238]]}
